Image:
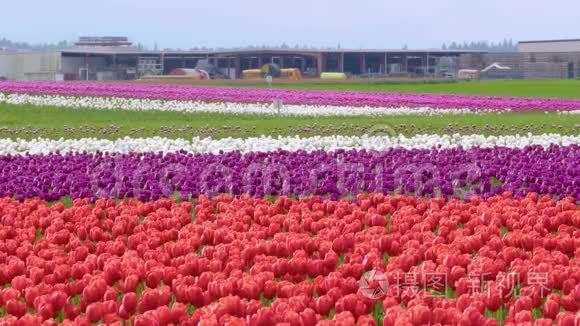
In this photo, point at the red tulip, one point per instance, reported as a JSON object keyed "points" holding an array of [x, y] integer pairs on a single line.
{"points": [[94, 312], [15, 308], [71, 311], [551, 309], [420, 315]]}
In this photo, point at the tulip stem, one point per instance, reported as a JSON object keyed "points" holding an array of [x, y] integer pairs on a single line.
{"points": [[331, 314], [340, 260]]}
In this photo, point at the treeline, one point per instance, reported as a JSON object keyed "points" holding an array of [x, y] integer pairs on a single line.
{"points": [[8, 44], [507, 45]]}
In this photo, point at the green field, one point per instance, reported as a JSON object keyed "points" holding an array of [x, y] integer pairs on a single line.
{"points": [[517, 88], [55, 122]]}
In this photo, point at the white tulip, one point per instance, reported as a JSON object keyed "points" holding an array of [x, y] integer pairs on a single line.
{"points": [[268, 143], [134, 104]]}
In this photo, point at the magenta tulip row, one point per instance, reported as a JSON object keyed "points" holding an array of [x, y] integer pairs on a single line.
{"points": [[306, 97]]}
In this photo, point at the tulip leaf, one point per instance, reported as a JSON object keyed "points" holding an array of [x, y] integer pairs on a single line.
{"points": [[500, 315], [517, 289], [537, 313], [38, 235], [388, 226], [450, 293], [340, 260], [199, 250], [495, 182], [2, 311], [140, 289], [59, 316], [487, 314], [172, 301], [503, 230], [386, 258], [265, 301], [378, 312], [66, 201], [177, 196], [75, 300], [438, 193], [190, 309], [330, 314]]}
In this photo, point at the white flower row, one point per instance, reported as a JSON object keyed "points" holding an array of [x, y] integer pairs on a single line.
{"points": [[266, 144], [131, 104], [569, 112]]}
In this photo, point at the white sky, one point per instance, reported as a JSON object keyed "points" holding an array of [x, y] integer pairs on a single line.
{"points": [[353, 24]]}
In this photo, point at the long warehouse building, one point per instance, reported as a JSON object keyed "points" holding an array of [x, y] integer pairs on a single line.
{"points": [[124, 64], [113, 58]]}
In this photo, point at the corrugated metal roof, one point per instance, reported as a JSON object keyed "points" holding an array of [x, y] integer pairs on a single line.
{"points": [[124, 50], [551, 41]]}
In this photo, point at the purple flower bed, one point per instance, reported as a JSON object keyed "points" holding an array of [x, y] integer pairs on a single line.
{"points": [[248, 95], [449, 173]]}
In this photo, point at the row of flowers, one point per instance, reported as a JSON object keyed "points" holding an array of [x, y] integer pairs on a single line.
{"points": [[270, 144], [301, 97], [139, 104], [453, 172], [386, 260]]}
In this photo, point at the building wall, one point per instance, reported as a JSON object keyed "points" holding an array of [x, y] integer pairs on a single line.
{"points": [[526, 65], [7, 69], [30, 66], [72, 65], [550, 46]]}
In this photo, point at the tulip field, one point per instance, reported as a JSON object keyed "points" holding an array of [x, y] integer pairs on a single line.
{"points": [[151, 204]]}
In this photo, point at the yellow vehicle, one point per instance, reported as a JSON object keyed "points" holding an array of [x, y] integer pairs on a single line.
{"points": [[274, 71], [333, 75], [252, 74]]}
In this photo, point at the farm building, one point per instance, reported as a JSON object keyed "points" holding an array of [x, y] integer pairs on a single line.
{"points": [[114, 58], [572, 45], [551, 59]]}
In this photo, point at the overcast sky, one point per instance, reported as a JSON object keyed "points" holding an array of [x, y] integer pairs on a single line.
{"points": [[352, 23]]}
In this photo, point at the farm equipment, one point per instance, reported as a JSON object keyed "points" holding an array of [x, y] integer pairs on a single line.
{"points": [[474, 74], [272, 69]]}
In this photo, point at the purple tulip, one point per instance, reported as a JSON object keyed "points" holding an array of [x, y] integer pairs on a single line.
{"points": [[311, 97], [452, 172]]}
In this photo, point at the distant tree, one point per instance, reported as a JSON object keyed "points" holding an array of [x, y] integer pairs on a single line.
{"points": [[501, 46], [8, 44]]}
